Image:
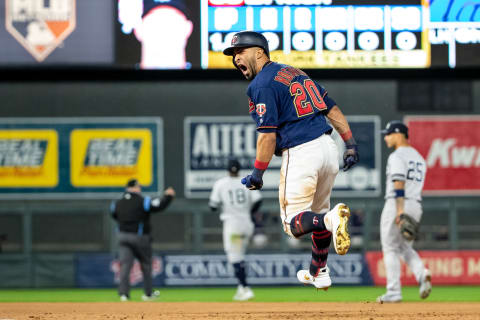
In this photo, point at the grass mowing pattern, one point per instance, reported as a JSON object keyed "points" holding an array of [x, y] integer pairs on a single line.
{"points": [[262, 294]]}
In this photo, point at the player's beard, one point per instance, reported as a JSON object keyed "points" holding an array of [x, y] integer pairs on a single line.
{"points": [[253, 72]]}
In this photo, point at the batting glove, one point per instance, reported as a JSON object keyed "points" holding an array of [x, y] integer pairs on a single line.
{"points": [[350, 156], [254, 181]]}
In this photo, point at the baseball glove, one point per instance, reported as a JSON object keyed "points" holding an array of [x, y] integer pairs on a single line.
{"points": [[408, 227]]}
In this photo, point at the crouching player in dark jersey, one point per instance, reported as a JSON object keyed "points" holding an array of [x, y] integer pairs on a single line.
{"points": [[290, 110]]}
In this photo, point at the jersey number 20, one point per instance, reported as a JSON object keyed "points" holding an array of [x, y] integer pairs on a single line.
{"points": [[304, 96]]}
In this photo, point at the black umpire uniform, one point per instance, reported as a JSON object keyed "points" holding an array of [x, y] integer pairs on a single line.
{"points": [[132, 213]]}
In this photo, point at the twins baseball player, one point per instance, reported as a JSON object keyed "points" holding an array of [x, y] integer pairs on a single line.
{"points": [[406, 171], [290, 110], [237, 206]]}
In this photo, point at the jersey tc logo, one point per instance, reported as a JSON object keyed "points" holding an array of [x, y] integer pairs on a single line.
{"points": [[261, 109], [40, 26]]}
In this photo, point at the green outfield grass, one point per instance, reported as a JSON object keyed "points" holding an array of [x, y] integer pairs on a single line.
{"points": [[262, 294]]}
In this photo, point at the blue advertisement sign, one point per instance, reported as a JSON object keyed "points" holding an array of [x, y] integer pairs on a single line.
{"points": [[101, 270], [211, 141]]}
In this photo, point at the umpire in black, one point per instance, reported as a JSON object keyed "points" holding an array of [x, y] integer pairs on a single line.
{"points": [[132, 213]]}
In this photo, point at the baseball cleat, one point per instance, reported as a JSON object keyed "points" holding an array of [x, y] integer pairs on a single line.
{"points": [[123, 298], [321, 281], [243, 294], [155, 294], [426, 284], [337, 223], [389, 298]]}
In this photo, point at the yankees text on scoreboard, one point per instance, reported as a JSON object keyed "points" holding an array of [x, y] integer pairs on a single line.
{"points": [[328, 36], [346, 34]]}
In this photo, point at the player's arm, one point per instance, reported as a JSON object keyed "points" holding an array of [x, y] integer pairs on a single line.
{"points": [[215, 201], [340, 123], [399, 188], [113, 211], [266, 143], [159, 204]]}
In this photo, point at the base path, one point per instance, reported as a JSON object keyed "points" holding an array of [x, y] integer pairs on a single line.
{"points": [[240, 310]]}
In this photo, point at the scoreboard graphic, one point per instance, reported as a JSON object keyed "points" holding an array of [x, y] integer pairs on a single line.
{"points": [[345, 34]]}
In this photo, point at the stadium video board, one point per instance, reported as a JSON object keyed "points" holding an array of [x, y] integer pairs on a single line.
{"points": [[191, 34], [348, 34]]}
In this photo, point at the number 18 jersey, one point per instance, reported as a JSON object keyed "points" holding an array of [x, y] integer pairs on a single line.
{"points": [[406, 164], [285, 100], [235, 200]]}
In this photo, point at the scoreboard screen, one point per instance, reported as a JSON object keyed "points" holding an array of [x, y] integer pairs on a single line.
{"points": [[348, 34]]}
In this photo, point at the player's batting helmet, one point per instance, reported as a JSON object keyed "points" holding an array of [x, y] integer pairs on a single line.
{"points": [[395, 126], [233, 166], [246, 39]]}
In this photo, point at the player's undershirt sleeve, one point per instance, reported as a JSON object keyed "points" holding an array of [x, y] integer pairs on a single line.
{"points": [[398, 169], [264, 111]]}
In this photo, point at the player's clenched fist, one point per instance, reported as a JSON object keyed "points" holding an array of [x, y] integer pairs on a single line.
{"points": [[254, 181], [350, 157]]}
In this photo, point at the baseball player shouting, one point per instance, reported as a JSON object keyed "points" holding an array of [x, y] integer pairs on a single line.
{"points": [[406, 171], [237, 206], [290, 110]]}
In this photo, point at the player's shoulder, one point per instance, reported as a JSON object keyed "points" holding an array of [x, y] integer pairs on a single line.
{"points": [[266, 77]]}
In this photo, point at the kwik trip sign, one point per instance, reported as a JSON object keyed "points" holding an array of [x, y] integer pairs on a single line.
{"points": [[40, 25], [451, 148]]}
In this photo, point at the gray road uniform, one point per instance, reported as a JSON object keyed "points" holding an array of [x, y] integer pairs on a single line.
{"points": [[404, 164], [236, 203]]}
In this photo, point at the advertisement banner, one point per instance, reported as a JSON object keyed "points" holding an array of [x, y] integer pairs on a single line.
{"points": [[65, 158], [28, 158], [451, 148], [447, 267], [102, 158], [102, 270], [210, 141]]}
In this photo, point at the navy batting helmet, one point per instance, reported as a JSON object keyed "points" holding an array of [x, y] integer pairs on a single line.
{"points": [[395, 126], [246, 39], [233, 166]]}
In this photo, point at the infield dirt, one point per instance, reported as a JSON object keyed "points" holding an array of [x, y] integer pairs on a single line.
{"points": [[240, 310]]}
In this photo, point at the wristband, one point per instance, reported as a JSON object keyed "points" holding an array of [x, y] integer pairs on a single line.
{"points": [[261, 165], [347, 135], [399, 193]]}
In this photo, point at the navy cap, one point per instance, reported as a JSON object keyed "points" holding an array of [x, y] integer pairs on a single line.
{"points": [[233, 166], [132, 183], [395, 126]]}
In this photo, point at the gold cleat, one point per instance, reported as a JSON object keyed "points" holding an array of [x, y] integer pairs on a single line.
{"points": [[341, 237]]}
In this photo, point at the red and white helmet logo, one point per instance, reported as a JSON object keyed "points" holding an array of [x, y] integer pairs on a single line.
{"points": [[234, 40]]}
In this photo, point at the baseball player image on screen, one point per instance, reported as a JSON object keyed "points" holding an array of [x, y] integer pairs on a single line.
{"points": [[290, 111], [237, 206], [406, 170]]}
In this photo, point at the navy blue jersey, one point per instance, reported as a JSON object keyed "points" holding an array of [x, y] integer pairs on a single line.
{"points": [[285, 100]]}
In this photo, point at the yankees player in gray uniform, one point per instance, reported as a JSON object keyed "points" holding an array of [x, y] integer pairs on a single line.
{"points": [[237, 205], [405, 176], [132, 213]]}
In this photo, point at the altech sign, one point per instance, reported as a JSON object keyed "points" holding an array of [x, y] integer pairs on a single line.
{"points": [[40, 26], [451, 148]]}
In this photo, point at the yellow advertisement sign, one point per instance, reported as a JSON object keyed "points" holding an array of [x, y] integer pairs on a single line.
{"points": [[109, 157], [28, 158]]}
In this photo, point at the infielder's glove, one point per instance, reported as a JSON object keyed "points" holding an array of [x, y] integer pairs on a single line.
{"points": [[408, 227], [254, 181], [350, 156]]}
